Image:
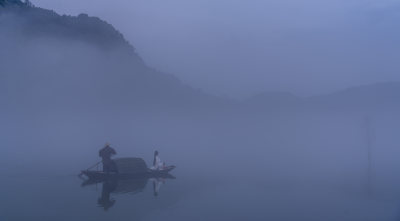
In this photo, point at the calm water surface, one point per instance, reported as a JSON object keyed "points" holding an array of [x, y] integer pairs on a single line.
{"points": [[189, 197]]}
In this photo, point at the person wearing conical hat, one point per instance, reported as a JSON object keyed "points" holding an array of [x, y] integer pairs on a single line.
{"points": [[106, 153]]}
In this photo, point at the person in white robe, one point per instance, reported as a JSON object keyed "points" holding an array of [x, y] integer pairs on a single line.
{"points": [[157, 163]]}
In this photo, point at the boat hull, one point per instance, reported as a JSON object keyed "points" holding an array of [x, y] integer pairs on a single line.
{"points": [[99, 175]]}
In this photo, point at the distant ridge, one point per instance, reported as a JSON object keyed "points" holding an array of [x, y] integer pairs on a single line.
{"points": [[376, 95], [367, 96], [41, 22], [15, 2], [92, 65], [44, 68]]}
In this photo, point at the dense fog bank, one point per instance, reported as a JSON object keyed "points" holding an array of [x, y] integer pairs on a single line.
{"points": [[69, 84]]}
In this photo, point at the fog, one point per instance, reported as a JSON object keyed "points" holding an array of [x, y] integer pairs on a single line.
{"points": [[238, 48], [70, 84]]}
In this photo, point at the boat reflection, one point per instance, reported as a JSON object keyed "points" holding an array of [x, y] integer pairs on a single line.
{"points": [[157, 183], [124, 186]]}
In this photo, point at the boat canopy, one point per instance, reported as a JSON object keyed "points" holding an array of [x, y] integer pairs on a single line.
{"points": [[130, 165]]}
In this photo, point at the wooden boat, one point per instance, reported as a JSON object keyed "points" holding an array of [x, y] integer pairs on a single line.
{"points": [[100, 175], [129, 168]]}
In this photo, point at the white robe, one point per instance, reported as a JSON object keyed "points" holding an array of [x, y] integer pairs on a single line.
{"points": [[159, 164]]}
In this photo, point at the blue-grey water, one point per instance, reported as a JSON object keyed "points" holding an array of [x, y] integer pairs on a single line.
{"points": [[313, 168], [39, 196], [191, 197]]}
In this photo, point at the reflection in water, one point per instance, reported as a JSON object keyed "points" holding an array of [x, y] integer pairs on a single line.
{"points": [[105, 201], [122, 186], [157, 182]]}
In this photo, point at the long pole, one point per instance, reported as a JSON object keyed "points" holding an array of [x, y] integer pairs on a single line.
{"points": [[91, 167]]}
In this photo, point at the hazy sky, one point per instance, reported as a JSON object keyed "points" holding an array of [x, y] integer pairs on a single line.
{"points": [[240, 47]]}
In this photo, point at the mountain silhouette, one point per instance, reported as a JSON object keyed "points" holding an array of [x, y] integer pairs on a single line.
{"points": [[76, 63], [54, 61]]}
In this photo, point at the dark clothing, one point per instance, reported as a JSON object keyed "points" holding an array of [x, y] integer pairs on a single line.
{"points": [[107, 152], [108, 164]]}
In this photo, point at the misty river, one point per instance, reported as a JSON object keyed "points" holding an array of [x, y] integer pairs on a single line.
{"points": [[307, 167], [265, 110]]}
